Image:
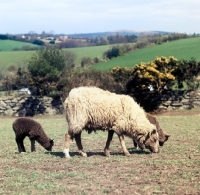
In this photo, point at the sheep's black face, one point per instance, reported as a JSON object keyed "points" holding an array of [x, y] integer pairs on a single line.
{"points": [[51, 143], [163, 139]]}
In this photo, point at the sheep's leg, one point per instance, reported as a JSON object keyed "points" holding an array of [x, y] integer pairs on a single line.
{"points": [[79, 144], [121, 139], [135, 144], [109, 139], [32, 145], [66, 145], [20, 144]]}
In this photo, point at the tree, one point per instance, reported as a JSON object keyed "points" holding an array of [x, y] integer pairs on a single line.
{"points": [[45, 67], [113, 52], [187, 71]]}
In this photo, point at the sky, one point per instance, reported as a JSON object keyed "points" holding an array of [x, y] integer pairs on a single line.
{"points": [[88, 16]]}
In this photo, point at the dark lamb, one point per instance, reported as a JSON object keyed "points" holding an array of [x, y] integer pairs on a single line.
{"points": [[28, 127]]}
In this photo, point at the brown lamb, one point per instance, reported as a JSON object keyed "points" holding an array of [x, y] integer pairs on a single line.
{"points": [[23, 127]]}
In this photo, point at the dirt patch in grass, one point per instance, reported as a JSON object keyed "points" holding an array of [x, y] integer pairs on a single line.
{"points": [[175, 170]]}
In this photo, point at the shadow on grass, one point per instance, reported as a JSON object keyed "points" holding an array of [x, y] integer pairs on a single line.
{"points": [[90, 154], [72, 154], [138, 151]]}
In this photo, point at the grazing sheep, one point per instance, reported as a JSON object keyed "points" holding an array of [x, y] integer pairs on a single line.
{"points": [[163, 137], [92, 109], [23, 127]]}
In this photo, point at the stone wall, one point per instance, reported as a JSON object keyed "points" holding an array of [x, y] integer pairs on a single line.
{"points": [[180, 100], [26, 105]]}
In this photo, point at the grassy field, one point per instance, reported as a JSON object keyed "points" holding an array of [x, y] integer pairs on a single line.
{"points": [[9, 45], [17, 57], [180, 49], [175, 170]]}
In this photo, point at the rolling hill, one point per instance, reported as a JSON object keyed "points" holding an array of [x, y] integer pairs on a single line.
{"points": [[18, 57], [180, 49], [9, 45]]}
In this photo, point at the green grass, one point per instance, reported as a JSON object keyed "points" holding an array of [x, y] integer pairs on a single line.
{"points": [[180, 49], [18, 57], [9, 45], [175, 170], [92, 52]]}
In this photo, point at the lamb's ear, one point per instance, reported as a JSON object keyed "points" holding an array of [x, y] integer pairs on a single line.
{"points": [[167, 135]]}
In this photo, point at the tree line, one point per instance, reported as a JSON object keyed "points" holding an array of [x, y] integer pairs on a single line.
{"points": [[142, 40]]}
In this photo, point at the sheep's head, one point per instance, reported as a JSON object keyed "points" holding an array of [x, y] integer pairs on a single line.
{"points": [[50, 145], [163, 138], [151, 141]]}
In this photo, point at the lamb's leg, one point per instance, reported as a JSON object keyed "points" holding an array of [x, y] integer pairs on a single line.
{"points": [[66, 145], [32, 145], [79, 144], [109, 139], [20, 143], [121, 139]]}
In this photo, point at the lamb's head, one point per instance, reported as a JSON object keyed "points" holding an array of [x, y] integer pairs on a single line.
{"points": [[151, 141], [49, 145]]}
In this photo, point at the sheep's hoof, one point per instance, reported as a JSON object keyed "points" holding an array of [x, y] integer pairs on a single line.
{"points": [[127, 154], [107, 152], [67, 156], [84, 154]]}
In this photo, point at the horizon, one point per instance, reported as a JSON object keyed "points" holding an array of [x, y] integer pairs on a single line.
{"points": [[113, 31]]}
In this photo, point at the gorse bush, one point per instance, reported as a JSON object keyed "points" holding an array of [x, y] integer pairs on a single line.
{"points": [[157, 74], [147, 82]]}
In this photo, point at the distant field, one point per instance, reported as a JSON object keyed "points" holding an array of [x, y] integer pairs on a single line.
{"points": [[180, 49], [92, 52], [13, 58], [9, 45], [17, 57]]}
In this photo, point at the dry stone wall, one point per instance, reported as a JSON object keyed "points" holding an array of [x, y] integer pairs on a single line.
{"points": [[30, 105], [180, 100]]}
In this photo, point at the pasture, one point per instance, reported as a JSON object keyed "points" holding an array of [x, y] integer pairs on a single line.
{"points": [[175, 170], [180, 49], [9, 45], [18, 57]]}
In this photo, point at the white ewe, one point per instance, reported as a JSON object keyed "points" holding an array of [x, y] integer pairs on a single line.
{"points": [[92, 109]]}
